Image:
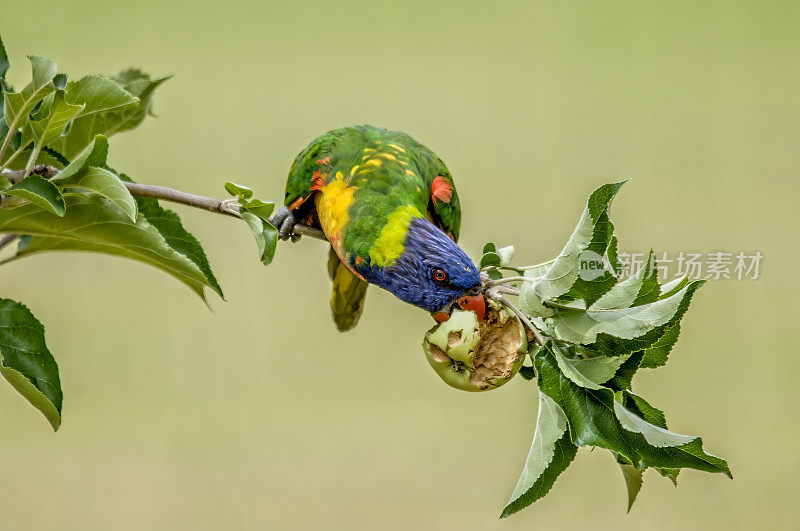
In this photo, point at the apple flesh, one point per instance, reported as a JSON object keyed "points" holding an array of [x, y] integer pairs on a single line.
{"points": [[477, 356]]}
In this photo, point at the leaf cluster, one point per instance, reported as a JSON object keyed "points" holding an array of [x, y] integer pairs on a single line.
{"points": [[599, 330], [86, 205]]}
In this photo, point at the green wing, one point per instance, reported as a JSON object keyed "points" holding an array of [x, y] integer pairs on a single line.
{"points": [[446, 213], [298, 185]]}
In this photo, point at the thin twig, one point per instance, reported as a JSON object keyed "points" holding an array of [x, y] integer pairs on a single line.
{"points": [[505, 280], [537, 266], [170, 194], [12, 127], [520, 269], [15, 176], [165, 193], [508, 289], [496, 268]]}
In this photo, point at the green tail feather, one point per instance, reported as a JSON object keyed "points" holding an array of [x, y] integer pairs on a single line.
{"points": [[347, 296]]}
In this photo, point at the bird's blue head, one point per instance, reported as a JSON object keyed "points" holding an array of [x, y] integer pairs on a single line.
{"points": [[433, 273]]}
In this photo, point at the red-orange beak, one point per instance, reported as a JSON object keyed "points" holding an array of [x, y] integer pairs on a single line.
{"points": [[474, 303]]}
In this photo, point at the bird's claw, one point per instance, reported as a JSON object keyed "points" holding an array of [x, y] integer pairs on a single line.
{"points": [[283, 220]]}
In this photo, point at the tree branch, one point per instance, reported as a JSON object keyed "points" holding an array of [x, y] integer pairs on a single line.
{"points": [[183, 198], [226, 207], [15, 176]]}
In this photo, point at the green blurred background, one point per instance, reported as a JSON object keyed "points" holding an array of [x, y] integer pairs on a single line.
{"points": [[260, 415]]}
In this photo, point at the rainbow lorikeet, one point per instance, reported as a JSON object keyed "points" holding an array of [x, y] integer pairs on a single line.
{"points": [[389, 208]]}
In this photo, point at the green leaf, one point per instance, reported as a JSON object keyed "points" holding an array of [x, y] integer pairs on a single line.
{"points": [[92, 223], [633, 481], [613, 256], [258, 207], [650, 289], [654, 435], [10, 158], [4, 64], [40, 192], [529, 301], [670, 473], [46, 156], [18, 105], [111, 107], [26, 362], [494, 274], [550, 454], [584, 326], [590, 373], [640, 288], [3, 126], [641, 407], [169, 226], [51, 157], [490, 259], [256, 213], [596, 419], [656, 354], [673, 286], [494, 257], [654, 416], [613, 345], [142, 86], [266, 236], [108, 185], [593, 233], [242, 192], [51, 120], [593, 283], [506, 255], [98, 94], [622, 379], [101, 99], [95, 154]]}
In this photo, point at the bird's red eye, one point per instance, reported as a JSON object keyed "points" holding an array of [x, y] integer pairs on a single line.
{"points": [[439, 275]]}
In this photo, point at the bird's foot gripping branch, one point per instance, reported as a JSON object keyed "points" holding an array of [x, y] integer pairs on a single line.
{"points": [[585, 335], [589, 332]]}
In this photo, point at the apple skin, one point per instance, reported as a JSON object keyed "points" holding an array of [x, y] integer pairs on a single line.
{"points": [[453, 349]]}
